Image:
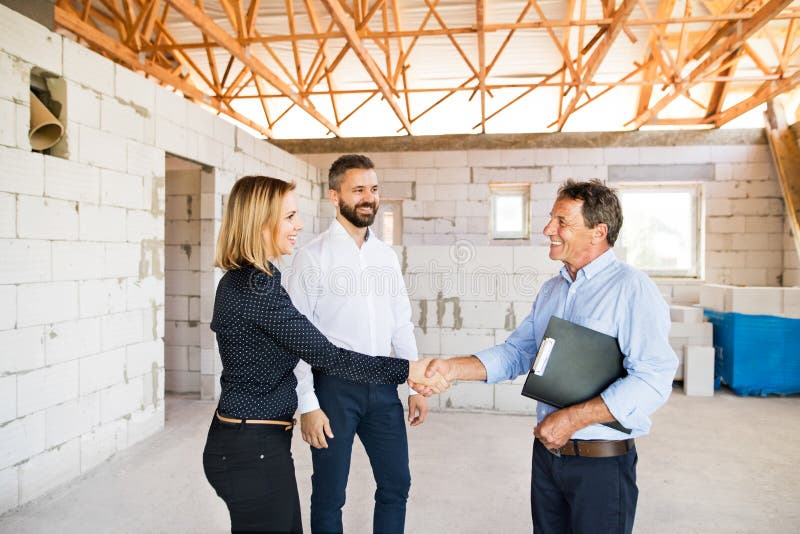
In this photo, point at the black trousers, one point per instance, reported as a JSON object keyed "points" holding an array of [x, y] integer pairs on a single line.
{"points": [[251, 469], [575, 495]]}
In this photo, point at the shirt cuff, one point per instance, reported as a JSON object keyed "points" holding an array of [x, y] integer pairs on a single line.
{"points": [[493, 364], [619, 408], [307, 402], [412, 392]]}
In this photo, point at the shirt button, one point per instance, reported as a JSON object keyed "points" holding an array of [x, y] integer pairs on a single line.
{"points": [[262, 457]]}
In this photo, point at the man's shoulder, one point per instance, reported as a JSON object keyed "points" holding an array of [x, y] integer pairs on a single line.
{"points": [[633, 279], [313, 249]]}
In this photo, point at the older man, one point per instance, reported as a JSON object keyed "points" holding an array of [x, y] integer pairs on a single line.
{"points": [[584, 474]]}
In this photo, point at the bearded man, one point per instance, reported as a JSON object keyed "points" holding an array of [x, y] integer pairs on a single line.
{"points": [[349, 284]]}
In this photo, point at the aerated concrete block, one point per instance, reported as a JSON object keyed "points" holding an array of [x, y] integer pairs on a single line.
{"points": [[698, 375]]}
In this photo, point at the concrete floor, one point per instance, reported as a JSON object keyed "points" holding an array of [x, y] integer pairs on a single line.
{"points": [[725, 464]]}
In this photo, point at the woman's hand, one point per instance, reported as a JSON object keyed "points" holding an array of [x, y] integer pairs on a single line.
{"points": [[416, 375]]}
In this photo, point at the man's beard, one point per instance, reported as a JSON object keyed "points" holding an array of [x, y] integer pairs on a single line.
{"points": [[359, 220]]}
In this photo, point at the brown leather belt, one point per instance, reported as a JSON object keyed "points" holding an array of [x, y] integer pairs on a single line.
{"points": [[594, 448], [287, 424]]}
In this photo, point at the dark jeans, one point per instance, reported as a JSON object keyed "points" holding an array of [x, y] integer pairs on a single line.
{"points": [[375, 414], [574, 495], [251, 469]]}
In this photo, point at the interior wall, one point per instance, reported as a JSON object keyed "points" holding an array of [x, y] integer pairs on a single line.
{"points": [[82, 281], [446, 194], [182, 277]]}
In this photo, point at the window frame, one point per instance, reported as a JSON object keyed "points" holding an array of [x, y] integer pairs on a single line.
{"points": [[697, 272], [397, 223], [508, 189]]}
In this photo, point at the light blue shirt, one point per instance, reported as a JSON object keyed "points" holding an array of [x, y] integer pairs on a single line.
{"points": [[612, 297]]}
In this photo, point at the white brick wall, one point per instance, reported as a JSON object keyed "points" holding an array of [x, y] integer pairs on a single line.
{"points": [[71, 419], [46, 302], [46, 387], [8, 398], [52, 468], [21, 439]]}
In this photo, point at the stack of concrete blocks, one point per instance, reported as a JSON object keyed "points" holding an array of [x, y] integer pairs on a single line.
{"points": [[82, 240], [466, 298], [775, 301], [692, 339]]}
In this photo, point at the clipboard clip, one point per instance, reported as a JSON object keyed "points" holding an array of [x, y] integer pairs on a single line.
{"points": [[543, 356]]}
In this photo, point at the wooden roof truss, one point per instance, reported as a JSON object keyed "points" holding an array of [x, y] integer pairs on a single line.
{"points": [[221, 53]]}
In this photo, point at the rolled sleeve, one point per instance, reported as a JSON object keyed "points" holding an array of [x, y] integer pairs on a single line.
{"points": [[650, 361]]}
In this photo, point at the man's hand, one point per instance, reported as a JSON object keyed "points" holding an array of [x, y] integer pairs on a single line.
{"points": [[451, 369], [422, 382], [558, 427], [417, 409], [314, 426]]}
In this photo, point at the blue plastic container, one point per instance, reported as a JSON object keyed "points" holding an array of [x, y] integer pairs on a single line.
{"points": [[756, 354]]}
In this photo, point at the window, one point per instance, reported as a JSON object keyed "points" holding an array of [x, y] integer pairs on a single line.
{"points": [[662, 232], [510, 210], [388, 225]]}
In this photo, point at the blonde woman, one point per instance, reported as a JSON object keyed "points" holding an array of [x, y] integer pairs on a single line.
{"points": [[261, 337]]}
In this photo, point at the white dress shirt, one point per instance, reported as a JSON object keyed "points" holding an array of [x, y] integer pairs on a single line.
{"points": [[355, 296]]}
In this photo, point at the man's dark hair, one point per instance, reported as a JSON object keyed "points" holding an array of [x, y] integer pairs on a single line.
{"points": [[344, 164], [600, 204]]}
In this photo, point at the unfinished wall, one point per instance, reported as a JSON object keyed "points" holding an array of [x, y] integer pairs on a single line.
{"points": [[82, 247], [446, 194], [182, 272]]}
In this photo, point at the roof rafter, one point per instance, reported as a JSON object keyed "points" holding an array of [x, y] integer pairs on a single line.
{"points": [[597, 57], [721, 53], [126, 56], [215, 32], [340, 18]]}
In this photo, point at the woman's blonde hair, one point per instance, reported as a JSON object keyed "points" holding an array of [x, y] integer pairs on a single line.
{"points": [[253, 203]]}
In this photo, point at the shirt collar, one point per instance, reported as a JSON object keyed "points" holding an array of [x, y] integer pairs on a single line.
{"points": [[339, 231], [593, 267]]}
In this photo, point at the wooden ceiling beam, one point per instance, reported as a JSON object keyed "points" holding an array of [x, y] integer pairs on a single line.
{"points": [[204, 23], [322, 53], [340, 18], [665, 8], [719, 54], [768, 90], [597, 57], [480, 20], [724, 30], [401, 53], [456, 30], [561, 49], [129, 58], [340, 56], [452, 39], [720, 90]]}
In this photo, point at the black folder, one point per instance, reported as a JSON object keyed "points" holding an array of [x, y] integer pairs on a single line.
{"points": [[574, 364]]}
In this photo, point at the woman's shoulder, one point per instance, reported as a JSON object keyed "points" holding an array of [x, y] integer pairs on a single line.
{"points": [[251, 282]]}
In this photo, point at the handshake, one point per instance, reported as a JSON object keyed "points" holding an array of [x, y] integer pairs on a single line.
{"points": [[428, 376]]}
